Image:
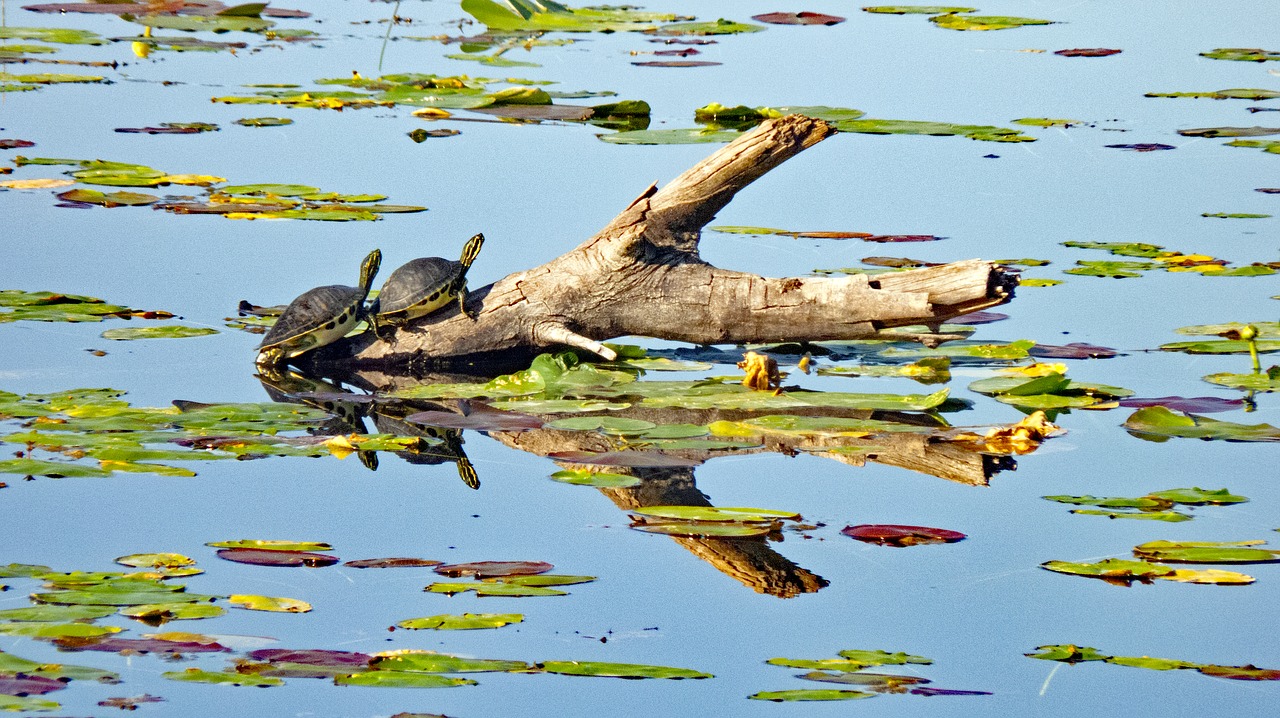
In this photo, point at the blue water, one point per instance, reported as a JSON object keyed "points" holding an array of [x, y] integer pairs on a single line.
{"points": [[975, 607]]}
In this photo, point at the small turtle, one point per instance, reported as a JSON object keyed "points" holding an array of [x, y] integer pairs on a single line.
{"points": [[320, 316], [423, 286]]}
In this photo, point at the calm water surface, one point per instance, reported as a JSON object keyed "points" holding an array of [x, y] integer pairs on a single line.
{"points": [[536, 191]]}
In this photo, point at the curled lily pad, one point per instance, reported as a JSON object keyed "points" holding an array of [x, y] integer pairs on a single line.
{"points": [[465, 621], [1158, 423], [619, 670]]}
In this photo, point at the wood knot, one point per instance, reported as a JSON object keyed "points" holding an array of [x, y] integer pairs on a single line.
{"points": [[791, 284]]}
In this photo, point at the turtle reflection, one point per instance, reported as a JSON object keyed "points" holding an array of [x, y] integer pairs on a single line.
{"points": [[347, 411], [389, 419]]}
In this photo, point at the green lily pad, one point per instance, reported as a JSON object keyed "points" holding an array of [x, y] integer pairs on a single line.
{"points": [[1197, 496], [939, 129], [821, 664], [707, 529], [59, 35], [204, 23], [1221, 346], [1158, 423], [451, 622], [484, 588], [264, 121], [1229, 94], [619, 670], [1266, 330], [155, 560], [598, 479], [1111, 568], [1241, 54], [690, 136], [968, 350], [274, 604], [160, 612], [1254, 381], [198, 675], [56, 614], [953, 21], [1169, 516], [273, 545], [545, 579], [428, 662], [1068, 653], [917, 9], [547, 16], [26, 704], [1149, 663], [713, 27], [43, 629], [108, 199], [715, 513], [617, 426], [810, 694], [50, 469], [400, 679], [1269, 146], [1203, 552], [883, 658], [118, 597]]}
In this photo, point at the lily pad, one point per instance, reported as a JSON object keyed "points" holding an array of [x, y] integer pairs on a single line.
{"points": [[400, 679], [261, 557], [171, 331], [955, 21], [810, 694], [917, 9], [451, 622], [1158, 423], [272, 545], [198, 675], [429, 662], [273, 604], [1242, 54], [619, 670], [597, 479], [706, 529], [715, 513], [55, 613], [900, 535], [1256, 381], [493, 569], [392, 563], [155, 560], [162, 612], [1203, 552]]}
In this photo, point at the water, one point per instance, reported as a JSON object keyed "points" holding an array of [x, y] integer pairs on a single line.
{"points": [[536, 191]]}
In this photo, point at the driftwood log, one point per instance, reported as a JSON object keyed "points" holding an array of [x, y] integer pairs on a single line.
{"points": [[642, 276]]}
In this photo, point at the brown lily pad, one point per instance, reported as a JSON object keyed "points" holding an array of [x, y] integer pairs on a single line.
{"points": [[1074, 350], [392, 563], [311, 657], [1088, 52], [1143, 147], [978, 318], [676, 63], [1196, 404], [23, 685], [258, 557], [15, 144], [494, 569], [901, 535], [129, 646], [886, 238]]}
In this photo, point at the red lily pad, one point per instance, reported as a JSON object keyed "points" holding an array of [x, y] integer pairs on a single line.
{"points": [[1074, 350], [129, 646], [1197, 404], [392, 563], [676, 63], [686, 52], [311, 657], [160, 130], [1088, 52], [1268, 190], [130, 703], [15, 144], [978, 318], [901, 238], [494, 569], [634, 459], [900, 535], [927, 691], [258, 557], [1144, 147], [1241, 673], [798, 18], [22, 685]]}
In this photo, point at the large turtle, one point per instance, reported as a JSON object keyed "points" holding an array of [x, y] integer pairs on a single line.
{"points": [[423, 286], [318, 317]]}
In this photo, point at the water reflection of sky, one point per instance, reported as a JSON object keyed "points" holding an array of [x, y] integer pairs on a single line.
{"points": [[535, 192]]}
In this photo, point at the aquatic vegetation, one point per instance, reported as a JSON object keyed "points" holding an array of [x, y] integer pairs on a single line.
{"points": [[1070, 653]]}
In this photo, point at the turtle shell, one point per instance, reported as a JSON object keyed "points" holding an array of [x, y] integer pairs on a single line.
{"points": [[323, 310], [421, 281]]}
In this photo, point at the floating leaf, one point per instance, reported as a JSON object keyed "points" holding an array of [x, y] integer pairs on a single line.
{"points": [[1198, 497], [261, 557], [941, 129], [493, 569], [428, 662], [1242, 54], [635, 459], [493, 589], [264, 121], [24, 704], [543, 16], [1203, 552], [22, 685], [672, 137], [707, 529], [44, 629], [715, 513], [1256, 381], [197, 675], [392, 563], [917, 9], [273, 545], [56, 614], [465, 621], [1111, 569], [1223, 346], [619, 670], [171, 331], [1087, 52], [1229, 94], [900, 535], [598, 479], [715, 27], [810, 694], [155, 560], [1068, 653], [952, 21], [798, 18], [51, 469], [161, 612], [1159, 424], [400, 679], [269, 603]]}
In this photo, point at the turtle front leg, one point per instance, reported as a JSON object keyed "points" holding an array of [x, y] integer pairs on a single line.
{"points": [[462, 303]]}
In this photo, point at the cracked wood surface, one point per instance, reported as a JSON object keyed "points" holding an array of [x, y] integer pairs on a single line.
{"points": [[642, 276]]}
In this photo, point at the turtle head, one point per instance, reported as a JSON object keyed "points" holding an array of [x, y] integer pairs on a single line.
{"points": [[369, 269], [470, 250]]}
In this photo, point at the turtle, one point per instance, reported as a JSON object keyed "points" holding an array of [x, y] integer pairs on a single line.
{"points": [[318, 317], [423, 286]]}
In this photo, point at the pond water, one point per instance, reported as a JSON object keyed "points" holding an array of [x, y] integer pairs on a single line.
{"points": [[536, 190]]}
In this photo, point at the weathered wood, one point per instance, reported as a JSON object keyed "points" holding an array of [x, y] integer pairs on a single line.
{"points": [[642, 276]]}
